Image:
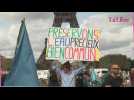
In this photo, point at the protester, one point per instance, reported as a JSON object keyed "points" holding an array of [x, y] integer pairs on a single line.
{"points": [[126, 78], [79, 79], [132, 77], [86, 79], [53, 79], [3, 79], [67, 74], [114, 78]]}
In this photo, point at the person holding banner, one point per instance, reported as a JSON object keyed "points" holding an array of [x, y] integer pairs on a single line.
{"points": [[67, 74]]}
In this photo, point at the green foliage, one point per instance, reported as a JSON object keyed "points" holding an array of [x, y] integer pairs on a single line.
{"points": [[124, 62], [7, 64]]}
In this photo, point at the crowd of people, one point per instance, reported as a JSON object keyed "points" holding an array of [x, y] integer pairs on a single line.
{"points": [[67, 76]]}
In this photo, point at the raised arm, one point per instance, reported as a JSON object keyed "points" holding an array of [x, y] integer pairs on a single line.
{"points": [[76, 71]]}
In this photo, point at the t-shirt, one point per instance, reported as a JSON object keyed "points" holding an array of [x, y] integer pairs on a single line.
{"points": [[113, 82], [68, 79]]}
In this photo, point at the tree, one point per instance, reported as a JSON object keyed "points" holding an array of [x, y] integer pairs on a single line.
{"points": [[119, 59], [7, 64]]}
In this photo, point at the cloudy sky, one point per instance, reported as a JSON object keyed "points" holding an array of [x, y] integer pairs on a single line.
{"points": [[116, 38]]}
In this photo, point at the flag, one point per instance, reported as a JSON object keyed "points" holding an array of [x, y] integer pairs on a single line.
{"points": [[23, 69], [93, 75]]}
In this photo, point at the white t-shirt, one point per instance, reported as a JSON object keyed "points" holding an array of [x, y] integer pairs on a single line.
{"points": [[68, 79]]}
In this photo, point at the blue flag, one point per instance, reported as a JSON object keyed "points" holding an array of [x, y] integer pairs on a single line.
{"points": [[23, 70], [93, 75]]}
